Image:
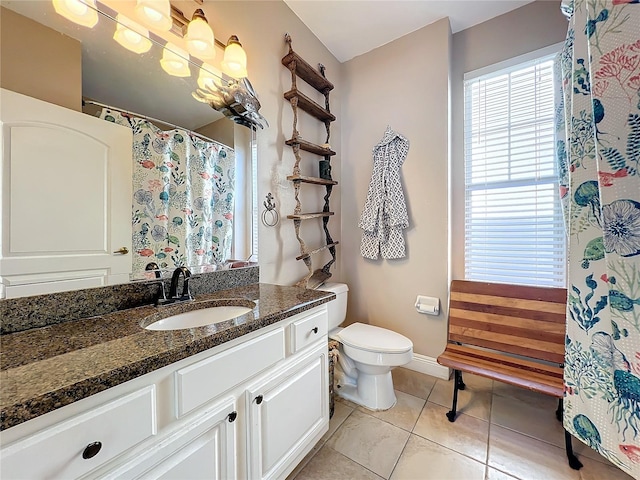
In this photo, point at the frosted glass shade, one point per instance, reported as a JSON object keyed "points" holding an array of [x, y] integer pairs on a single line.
{"points": [[199, 37], [175, 61], [235, 59], [131, 35], [82, 12], [206, 78], [155, 13]]}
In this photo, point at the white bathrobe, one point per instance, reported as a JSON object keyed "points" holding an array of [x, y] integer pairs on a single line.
{"points": [[385, 212]]}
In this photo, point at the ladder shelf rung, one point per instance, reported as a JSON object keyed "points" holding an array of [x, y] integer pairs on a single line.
{"points": [[317, 250], [307, 73], [311, 180], [310, 147], [309, 216], [309, 106]]}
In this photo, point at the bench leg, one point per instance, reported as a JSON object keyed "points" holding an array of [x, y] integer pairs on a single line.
{"points": [[461, 385], [559, 410], [573, 460], [457, 381]]}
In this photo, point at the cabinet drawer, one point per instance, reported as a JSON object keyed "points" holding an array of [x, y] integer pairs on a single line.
{"points": [[205, 380], [57, 452], [307, 330]]}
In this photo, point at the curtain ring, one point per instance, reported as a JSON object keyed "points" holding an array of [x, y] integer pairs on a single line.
{"points": [[270, 216]]}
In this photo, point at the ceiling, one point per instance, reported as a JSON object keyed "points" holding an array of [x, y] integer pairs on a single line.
{"points": [[349, 28]]}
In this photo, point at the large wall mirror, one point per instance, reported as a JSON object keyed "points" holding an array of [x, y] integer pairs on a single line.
{"points": [[136, 85]]}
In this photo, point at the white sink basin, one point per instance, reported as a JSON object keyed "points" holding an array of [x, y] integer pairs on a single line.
{"points": [[209, 313]]}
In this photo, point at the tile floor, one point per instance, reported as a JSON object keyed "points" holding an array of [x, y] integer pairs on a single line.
{"points": [[501, 433]]}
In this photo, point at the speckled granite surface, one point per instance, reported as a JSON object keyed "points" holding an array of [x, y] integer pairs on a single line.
{"points": [[46, 368], [41, 310]]}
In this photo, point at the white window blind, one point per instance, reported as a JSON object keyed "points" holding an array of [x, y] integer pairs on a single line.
{"points": [[514, 231]]}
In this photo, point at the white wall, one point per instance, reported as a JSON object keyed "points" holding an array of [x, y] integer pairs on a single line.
{"points": [[403, 84]]}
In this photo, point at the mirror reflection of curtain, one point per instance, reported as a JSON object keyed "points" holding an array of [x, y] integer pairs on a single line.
{"points": [[599, 157], [183, 196]]}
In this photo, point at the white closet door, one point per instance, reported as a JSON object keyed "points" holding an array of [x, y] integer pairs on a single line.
{"points": [[66, 198]]}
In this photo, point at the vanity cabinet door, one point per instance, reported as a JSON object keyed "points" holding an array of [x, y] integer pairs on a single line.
{"points": [[66, 198], [202, 448], [286, 412]]}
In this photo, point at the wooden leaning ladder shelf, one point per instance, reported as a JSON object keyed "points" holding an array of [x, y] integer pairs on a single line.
{"points": [[510, 333], [301, 69]]}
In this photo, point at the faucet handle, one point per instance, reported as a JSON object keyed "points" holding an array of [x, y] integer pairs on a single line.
{"points": [[153, 267], [185, 286]]}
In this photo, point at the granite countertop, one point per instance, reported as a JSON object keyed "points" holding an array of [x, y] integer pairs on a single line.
{"points": [[43, 369]]}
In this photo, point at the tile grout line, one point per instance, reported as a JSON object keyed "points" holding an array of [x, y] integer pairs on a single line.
{"points": [[486, 461], [395, 465]]}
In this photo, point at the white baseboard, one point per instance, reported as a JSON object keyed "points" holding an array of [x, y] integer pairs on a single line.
{"points": [[429, 366]]}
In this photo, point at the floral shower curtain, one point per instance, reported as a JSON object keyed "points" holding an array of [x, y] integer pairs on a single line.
{"points": [[599, 158], [183, 196]]}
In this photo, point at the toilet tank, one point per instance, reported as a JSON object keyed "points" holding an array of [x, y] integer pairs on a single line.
{"points": [[337, 308]]}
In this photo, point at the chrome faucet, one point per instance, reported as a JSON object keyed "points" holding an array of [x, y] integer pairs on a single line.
{"points": [[173, 290]]}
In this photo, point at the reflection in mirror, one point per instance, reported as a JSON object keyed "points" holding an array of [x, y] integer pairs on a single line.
{"points": [[132, 88]]}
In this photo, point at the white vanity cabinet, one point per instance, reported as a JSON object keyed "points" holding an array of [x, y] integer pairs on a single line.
{"points": [[251, 408], [65, 198]]}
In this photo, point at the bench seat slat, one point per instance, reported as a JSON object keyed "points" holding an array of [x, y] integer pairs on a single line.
{"points": [[528, 338], [505, 343], [532, 306], [499, 358], [505, 319], [549, 383], [554, 314], [545, 294]]}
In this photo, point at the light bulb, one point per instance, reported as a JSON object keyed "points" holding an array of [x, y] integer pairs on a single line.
{"points": [[82, 12], [175, 61], [235, 59], [131, 36], [199, 37], [155, 13]]}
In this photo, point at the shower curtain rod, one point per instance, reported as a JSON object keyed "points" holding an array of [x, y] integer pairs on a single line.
{"points": [[151, 119]]}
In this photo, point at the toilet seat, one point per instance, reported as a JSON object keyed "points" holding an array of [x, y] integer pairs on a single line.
{"points": [[374, 339]]}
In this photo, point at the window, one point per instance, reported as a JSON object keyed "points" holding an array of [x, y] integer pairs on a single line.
{"points": [[514, 230]]}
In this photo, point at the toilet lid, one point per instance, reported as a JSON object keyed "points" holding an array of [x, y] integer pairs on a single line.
{"points": [[374, 339]]}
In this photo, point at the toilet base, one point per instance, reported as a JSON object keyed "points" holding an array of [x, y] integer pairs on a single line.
{"points": [[372, 391]]}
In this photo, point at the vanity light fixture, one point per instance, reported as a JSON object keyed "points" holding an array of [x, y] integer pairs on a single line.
{"points": [[199, 37], [175, 61], [131, 35], [82, 12], [235, 59], [155, 13]]}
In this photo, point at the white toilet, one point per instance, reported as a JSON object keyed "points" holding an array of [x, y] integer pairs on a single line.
{"points": [[366, 355]]}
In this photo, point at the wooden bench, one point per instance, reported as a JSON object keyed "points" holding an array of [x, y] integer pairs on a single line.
{"points": [[510, 333]]}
